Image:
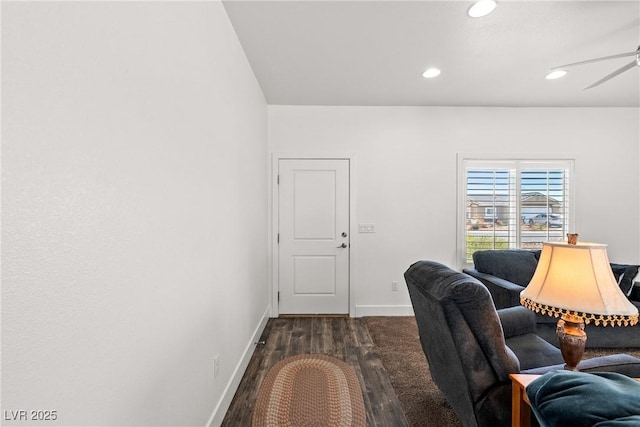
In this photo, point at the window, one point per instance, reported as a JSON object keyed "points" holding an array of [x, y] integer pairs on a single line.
{"points": [[509, 204]]}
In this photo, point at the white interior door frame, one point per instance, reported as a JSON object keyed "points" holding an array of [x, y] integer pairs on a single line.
{"points": [[274, 215]]}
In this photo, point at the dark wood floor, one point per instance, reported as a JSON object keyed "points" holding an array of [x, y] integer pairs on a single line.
{"points": [[345, 338]]}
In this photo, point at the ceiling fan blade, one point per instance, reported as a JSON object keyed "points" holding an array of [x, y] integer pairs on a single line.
{"points": [[604, 58], [629, 66]]}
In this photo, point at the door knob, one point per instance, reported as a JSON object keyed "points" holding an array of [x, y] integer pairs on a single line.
{"points": [[344, 234], [344, 245]]}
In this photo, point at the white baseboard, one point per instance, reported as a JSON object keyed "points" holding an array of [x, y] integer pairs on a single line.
{"points": [[215, 420], [383, 310]]}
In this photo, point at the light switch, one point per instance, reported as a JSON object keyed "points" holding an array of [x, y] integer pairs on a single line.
{"points": [[366, 228]]}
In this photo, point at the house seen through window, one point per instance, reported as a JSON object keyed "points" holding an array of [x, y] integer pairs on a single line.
{"points": [[515, 204]]}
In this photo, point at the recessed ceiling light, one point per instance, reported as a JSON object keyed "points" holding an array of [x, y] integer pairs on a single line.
{"points": [[481, 8], [555, 74], [431, 73]]}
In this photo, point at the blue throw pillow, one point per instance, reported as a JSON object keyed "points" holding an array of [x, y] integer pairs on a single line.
{"points": [[624, 274], [577, 399]]}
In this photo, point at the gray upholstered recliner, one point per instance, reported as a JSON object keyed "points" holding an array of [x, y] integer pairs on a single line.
{"points": [[471, 348]]}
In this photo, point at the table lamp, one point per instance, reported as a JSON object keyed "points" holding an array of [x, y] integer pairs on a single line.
{"points": [[575, 282]]}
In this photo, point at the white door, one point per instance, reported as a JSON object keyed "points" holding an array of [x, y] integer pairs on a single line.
{"points": [[313, 226]]}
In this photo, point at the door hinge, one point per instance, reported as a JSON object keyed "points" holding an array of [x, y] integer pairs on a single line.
{"points": [[278, 296], [278, 180], [278, 238]]}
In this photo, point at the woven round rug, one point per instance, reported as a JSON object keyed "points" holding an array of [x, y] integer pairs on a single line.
{"points": [[310, 390]]}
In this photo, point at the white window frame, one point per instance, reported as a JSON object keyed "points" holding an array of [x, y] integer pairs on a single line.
{"points": [[500, 161]]}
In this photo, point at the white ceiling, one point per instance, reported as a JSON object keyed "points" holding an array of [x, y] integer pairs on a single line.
{"points": [[374, 52]]}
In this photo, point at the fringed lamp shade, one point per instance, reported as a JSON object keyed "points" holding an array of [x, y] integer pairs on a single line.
{"points": [[576, 282]]}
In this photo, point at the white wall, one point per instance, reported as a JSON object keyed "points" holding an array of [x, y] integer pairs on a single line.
{"points": [[406, 176], [134, 211]]}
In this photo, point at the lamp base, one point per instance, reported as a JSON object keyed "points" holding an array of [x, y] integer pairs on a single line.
{"points": [[572, 339]]}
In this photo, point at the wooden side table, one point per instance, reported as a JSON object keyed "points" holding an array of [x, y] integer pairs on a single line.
{"points": [[520, 409]]}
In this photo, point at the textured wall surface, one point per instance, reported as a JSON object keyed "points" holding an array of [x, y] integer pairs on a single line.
{"points": [[134, 210], [406, 178]]}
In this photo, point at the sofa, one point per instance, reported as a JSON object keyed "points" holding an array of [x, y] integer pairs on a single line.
{"points": [[471, 347], [506, 273]]}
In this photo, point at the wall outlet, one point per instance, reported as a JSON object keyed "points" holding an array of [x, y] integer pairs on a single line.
{"points": [[394, 286], [216, 365]]}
